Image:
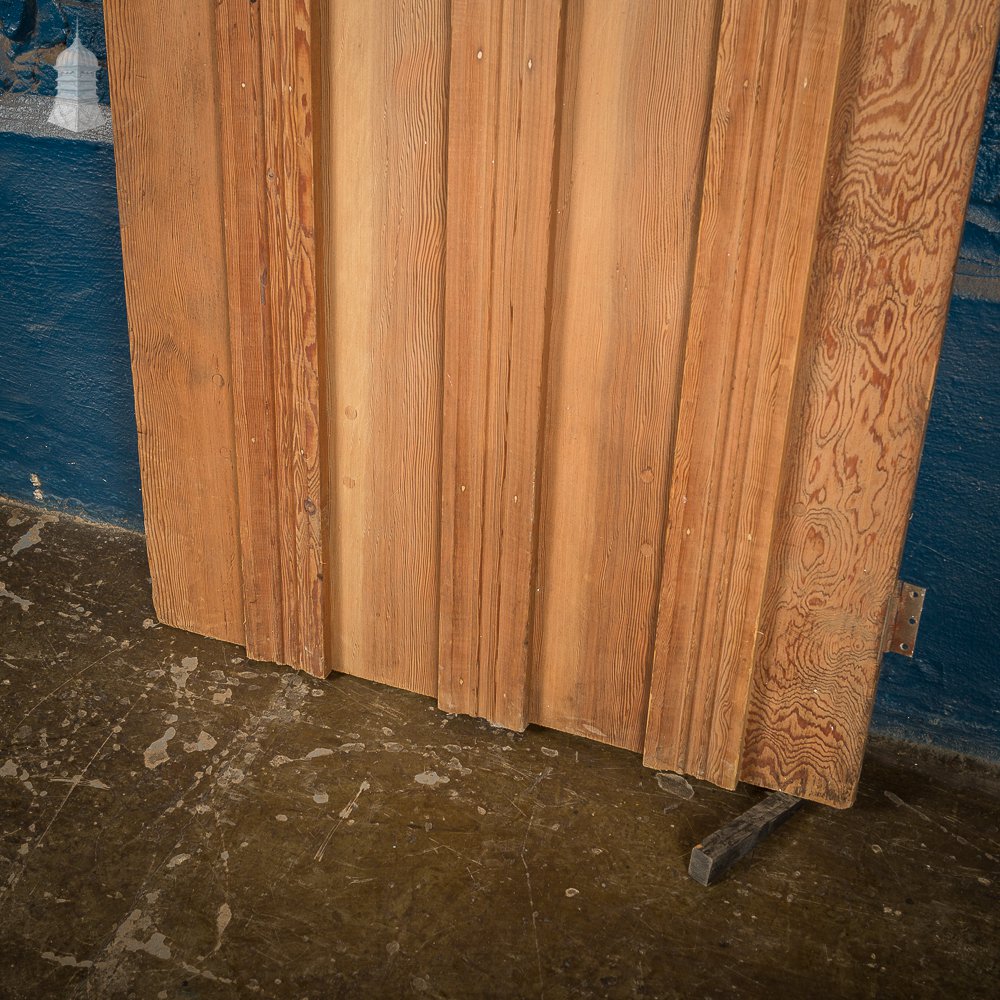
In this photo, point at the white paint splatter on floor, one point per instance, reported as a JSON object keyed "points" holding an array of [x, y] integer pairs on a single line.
{"points": [[205, 741], [180, 675], [33, 535], [71, 960], [22, 602], [109, 976], [156, 753], [431, 778], [222, 919]]}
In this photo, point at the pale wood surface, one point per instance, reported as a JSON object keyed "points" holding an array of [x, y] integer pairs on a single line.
{"points": [[383, 188], [637, 89], [237, 25], [293, 300], [161, 66], [501, 127], [906, 124], [775, 80]]}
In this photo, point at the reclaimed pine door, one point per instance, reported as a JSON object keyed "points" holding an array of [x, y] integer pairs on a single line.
{"points": [[565, 360]]}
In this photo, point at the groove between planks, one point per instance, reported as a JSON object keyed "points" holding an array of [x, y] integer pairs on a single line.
{"points": [[292, 297], [238, 47], [503, 87]]}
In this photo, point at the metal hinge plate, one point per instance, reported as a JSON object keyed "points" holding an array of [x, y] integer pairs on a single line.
{"points": [[903, 620]]}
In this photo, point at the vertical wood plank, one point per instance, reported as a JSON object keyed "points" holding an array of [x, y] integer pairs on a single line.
{"points": [[501, 131], [237, 25], [907, 126], [167, 151], [383, 113], [633, 123], [292, 297], [775, 82]]}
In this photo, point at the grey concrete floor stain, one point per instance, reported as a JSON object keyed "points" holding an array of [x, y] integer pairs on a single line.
{"points": [[176, 821]]}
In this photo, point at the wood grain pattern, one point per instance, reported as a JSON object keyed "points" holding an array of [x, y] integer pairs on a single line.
{"points": [[167, 149], [501, 131], [906, 125], [291, 290], [775, 82], [634, 115], [237, 26], [385, 68], [670, 227]]}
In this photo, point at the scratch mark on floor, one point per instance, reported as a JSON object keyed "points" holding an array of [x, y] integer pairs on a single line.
{"points": [[79, 780], [531, 904], [344, 813], [115, 730], [897, 801], [69, 680]]}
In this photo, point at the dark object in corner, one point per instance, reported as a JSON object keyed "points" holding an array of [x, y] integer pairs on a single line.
{"points": [[712, 858]]}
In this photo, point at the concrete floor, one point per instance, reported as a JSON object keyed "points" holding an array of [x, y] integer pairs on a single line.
{"points": [[178, 822]]}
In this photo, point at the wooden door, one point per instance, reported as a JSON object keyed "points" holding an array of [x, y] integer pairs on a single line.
{"points": [[565, 360]]}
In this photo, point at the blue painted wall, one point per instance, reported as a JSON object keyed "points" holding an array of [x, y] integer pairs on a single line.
{"points": [[66, 411], [949, 693], [66, 404]]}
